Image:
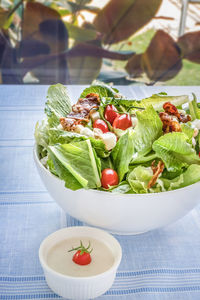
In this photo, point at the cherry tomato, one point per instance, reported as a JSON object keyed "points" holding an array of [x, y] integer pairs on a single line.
{"points": [[82, 259], [109, 177], [101, 124], [122, 122], [110, 113], [199, 153]]}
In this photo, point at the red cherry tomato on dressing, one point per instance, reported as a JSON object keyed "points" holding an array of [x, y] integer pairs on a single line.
{"points": [[101, 125], [122, 122], [110, 113], [82, 259], [109, 177]]}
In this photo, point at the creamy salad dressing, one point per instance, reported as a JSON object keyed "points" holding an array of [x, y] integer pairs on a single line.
{"points": [[60, 260]]}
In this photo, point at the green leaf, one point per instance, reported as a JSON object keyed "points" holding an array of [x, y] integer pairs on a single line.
{"points": [[63, 137], [190, 176], [123, 153], [77, 164], [188, 130], [175, 151], [106, 163], [58, 104], [157, 101], [194, 109], [122, 188], [79, 33], [139, 179], [42, 133], [148, 129], [100, 88], [144, 159], [120, 19]]}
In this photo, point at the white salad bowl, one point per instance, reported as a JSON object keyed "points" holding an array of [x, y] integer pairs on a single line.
{"points": [[120, 213], [88, 287]]}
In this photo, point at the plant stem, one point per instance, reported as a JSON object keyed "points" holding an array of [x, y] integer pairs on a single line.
{"points": [[14, 8]]}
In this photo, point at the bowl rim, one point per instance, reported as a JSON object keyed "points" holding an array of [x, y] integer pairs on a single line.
{"points": [[115, 265], [35, 152]]}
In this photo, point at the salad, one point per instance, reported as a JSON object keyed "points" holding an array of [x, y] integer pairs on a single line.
{"points": [[107, 142]]}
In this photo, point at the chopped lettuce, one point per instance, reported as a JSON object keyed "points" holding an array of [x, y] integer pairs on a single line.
{"points": [[194, 109], [100, 88], [58, 104], [63, 137], [148, 129], [157, 101], [42, 133], [143, 159], [122, 188], [77, 164], [188, 130], [139, 178], [174, 150], [190, 176], [123, 153]]}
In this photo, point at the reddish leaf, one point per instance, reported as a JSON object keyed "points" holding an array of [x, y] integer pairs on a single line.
{"points": [[119, 19], [134, 67], [34, 14], [45, 25], [162, 60], [190, 46]]}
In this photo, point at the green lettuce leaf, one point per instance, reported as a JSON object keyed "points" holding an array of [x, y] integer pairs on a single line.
{"points": [[122, 188], [42, 133], [77, 164], [194, 109], [188, 130], [106, 163], [59, 136], [100, 88], [158, 100], [148, 129], [143, 159], [190, 176], [139, 178], [123, 153], [58, 104], [175, 151]]}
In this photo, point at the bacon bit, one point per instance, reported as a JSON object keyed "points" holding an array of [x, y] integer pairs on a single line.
{"points": [[157, 170], [94, 96], [169, 124], [80, 113], [171, 109], [184, 118]]}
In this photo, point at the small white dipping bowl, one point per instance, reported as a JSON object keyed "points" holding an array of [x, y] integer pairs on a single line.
{"points": [[80, 287], [120, 213]]}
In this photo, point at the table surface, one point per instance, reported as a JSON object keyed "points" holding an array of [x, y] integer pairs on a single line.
{"points": [[161, 264]]}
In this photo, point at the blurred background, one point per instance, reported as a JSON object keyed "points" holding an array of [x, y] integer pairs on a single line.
{"points": [[119, 41]]}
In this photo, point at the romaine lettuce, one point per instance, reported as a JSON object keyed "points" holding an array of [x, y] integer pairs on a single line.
{"points": [[190, 176], [174, 150], [123, 153], [64, 137], [58, 104], [77, 164], [148, 129], [194, 109]]}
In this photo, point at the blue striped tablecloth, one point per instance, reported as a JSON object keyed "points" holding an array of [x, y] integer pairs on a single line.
{"points": [[162, 264]]}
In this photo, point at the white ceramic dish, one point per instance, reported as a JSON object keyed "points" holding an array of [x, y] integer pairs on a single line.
{"points": [[118, 213], [80, 287]]}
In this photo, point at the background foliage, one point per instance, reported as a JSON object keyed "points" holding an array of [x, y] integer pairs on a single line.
{"points": [[51, 41]]}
